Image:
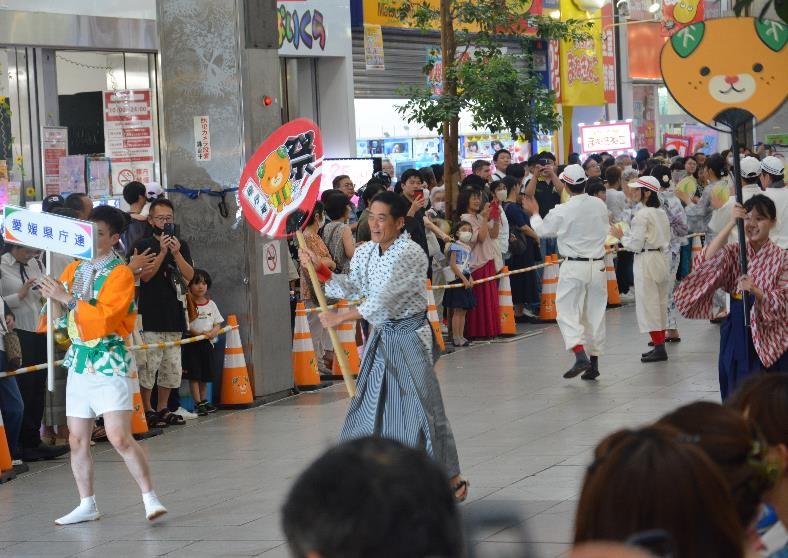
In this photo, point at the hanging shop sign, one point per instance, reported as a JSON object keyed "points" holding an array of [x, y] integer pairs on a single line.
{"points": [[54, 145], [606, 137], [677, 14], [313, 27], [128, 136], [373, 47], [52, 233], [682, 144], [582, 74], [282, 177]]}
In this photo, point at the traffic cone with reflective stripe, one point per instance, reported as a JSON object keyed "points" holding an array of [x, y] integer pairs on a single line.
{"points": [[139, 425], [547, 311], [506, 308], [236, 389], [305, 374], [347, 338], [613, 296], [697, 248], [432, 316], [6, 465]]}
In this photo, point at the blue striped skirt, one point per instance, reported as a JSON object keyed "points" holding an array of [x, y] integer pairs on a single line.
{"points": [[398, 395]]}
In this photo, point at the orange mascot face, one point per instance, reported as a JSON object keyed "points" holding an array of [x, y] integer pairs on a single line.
{"points": [[274, 172], [731, 63]]}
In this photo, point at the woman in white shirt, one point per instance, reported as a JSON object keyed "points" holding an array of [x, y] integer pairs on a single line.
{"points": [[649, 239]]}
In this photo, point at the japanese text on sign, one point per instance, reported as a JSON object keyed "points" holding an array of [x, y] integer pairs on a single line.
{"points": [[202, 138], [52, 233], [606, 137]]}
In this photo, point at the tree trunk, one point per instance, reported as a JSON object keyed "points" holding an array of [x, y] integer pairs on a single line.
{"points": [[451, 159]]}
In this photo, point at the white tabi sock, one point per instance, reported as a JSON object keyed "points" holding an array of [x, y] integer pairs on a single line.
{"points": [[85, 511], [153, 507]]}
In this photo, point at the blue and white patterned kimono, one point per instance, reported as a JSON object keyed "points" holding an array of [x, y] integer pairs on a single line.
{"points": [[397, 394]]}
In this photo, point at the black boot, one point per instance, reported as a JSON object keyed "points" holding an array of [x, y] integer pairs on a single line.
{"points": [[592, 374], [657, 355]]}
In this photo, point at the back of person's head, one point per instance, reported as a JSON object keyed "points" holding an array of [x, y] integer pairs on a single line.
{"points": [[372, 190], [516, 171], [629, 175], [76, 201], [428, 175], [594, 186], [437, 170], [661, 173], [64, 212], [672, 153], [642, 154], [133, 191], [51, 202], [110, 216], [473, 182], [372, 497], [763, 399], [717, 165], [478, 165], [317, 213], [201, 276], [613, 175], [336, 206], [573, 159], [656, 478], [735, 445]]}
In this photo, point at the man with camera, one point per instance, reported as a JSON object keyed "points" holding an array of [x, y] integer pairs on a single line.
{"points": [[162, 303]]}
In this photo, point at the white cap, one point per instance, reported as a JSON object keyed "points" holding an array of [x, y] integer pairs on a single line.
{"points": [[153, 191], [573, 174], [773, 165], [750, 167], [648, 182]]}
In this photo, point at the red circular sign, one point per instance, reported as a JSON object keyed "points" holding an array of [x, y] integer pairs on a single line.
{"points": [[282, 176], [125, 176], [271, 257]]}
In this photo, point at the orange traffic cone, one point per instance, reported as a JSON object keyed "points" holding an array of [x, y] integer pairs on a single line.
{"points": [[138, 423], [236, 390], [613, 297], [6, 465], [547, 311], [432, 316], [347, 338], [697, 248], [305, 375], [505, 304]]}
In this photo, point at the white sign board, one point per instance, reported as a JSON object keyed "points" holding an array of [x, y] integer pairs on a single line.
{"points": [[202, 138], [272, 258], [314, 28], [54, 145], [606, 137], [128, 136], [52, 233]]}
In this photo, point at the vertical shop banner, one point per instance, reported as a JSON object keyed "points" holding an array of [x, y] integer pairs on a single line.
{"points": [[682, 144], [554, 61], [54, 145], [582, 75], [373, 47], [435, 75], [609, 53], [128, 136], [644, 108], [202, 138], [681, 13]]}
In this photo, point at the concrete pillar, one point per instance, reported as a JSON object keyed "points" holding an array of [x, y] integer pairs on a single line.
{"points": [[218, 59]]}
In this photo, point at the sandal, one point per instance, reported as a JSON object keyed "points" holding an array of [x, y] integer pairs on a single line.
{"points": [[99, 434], [460, 490], [171, 418], [154, 421]]}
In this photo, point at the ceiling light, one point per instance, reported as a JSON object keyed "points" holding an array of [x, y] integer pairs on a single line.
{"points": [[654, 8]]}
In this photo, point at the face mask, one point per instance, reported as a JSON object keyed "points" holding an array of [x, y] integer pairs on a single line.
{"points": [[465, 236], [501, 195], [158, 231], [439, 206]]}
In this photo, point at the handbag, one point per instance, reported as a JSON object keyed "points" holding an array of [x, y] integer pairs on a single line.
{"points": [[13, 350], [518, 245]]}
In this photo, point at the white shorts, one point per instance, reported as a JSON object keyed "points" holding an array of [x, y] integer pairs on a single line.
{"points": [[90, 395]]}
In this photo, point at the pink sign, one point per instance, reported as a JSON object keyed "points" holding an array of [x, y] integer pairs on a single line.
{"points": [[606, 137]]}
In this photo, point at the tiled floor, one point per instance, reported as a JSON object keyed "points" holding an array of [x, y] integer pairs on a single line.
{"points": [[524, 436]]}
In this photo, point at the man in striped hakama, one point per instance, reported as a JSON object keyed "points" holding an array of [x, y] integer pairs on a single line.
{"points": [[398, 395]]}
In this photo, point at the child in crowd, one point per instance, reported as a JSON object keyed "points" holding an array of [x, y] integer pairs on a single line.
{"points": [[460, 300], [204, 319]]}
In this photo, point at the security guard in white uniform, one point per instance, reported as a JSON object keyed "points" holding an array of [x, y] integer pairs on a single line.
{"points": [[581, 226]]}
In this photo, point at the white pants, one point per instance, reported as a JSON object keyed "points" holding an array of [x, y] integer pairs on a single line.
{"points": [[652, 284], [581, 299]]}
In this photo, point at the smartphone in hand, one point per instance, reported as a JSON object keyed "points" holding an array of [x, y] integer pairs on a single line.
{"points": [[169, 229]]}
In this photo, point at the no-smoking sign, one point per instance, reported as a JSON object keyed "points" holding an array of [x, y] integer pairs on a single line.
{"points": [[272, 260], [125, 176]]}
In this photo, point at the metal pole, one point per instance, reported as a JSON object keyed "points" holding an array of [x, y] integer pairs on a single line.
{"points": [[50, 335], [740, 222]]}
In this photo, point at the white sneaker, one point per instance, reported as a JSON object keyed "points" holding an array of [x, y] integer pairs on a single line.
{"points": [[153, 507], [187, 415], [627, 297], [85, 511]]}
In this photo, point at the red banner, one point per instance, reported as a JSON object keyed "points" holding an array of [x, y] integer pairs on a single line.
{"points": [[609, 53], [282, 177]]}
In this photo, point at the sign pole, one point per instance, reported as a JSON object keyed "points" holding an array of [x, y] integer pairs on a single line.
{"points": [[339, 353], [50, 334], [739, 222]]}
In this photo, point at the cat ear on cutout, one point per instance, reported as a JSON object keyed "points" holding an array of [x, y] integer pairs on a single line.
{"points": [[686, 40], [774, 34]]}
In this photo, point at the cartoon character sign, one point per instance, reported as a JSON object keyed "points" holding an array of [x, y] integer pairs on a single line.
{"points": [[679, 13], [282, 176], [716, 83]]}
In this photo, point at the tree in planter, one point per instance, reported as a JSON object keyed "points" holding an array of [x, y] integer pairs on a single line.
{"points": [[479, 76]]}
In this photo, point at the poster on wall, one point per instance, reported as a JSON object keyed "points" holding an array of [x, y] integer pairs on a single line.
{"points": [[72, 174], [597, 138], [99, 177], [359, 171], [429, 150], [582, 75], [202, 138], [397, 148], [313, 27], [373, 47], [128, 136], [703, 139], [54, 145], [682, 144]]}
